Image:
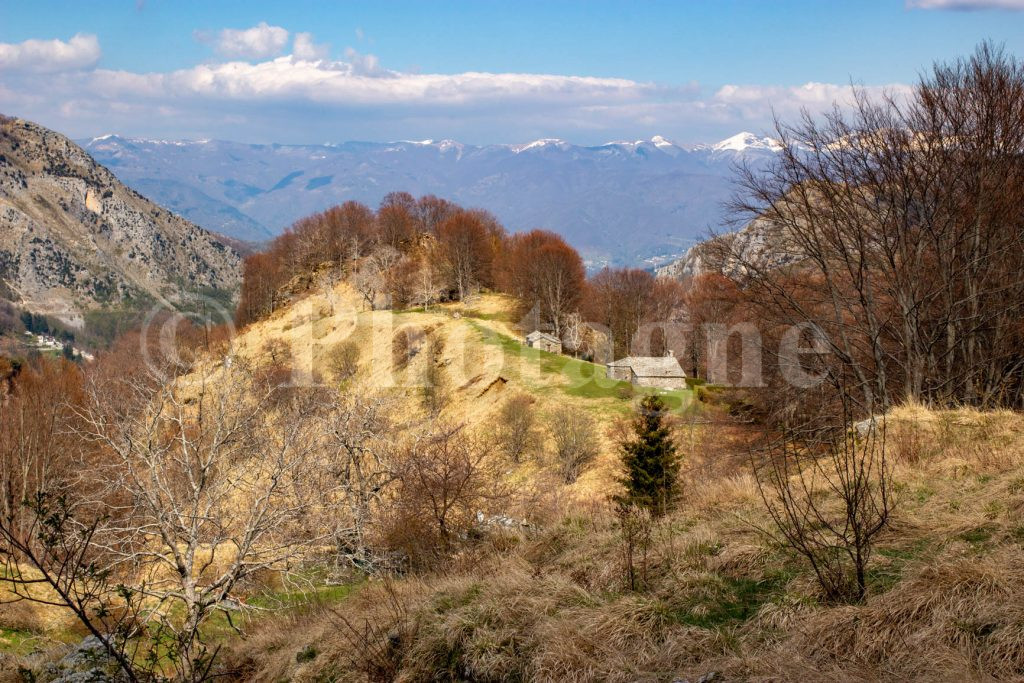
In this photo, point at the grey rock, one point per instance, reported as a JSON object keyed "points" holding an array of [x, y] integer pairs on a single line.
{"points": [[74, 238], [86, 663]]}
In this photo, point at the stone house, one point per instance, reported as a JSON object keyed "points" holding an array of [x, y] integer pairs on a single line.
{"points": [[649, 371], [544, 341]]}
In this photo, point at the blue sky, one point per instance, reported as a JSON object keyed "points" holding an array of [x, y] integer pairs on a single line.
{"points": [[480, 72]]}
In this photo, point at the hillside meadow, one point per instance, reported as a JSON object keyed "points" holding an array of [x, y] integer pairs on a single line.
{"points": [[540, 591]]}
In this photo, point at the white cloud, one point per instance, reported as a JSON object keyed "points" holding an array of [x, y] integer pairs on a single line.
{"points": [[365, 65], [361, 81], [49, 56], [307, 96], [749, 101], [304, 48], [258, 42], [966, 4]]}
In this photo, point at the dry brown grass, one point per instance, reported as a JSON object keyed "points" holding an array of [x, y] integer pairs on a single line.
{"points": [[548, 603], [946, 600], [479, 375]]}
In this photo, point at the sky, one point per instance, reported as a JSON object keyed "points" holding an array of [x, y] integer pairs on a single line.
{"points": [[478, 72]]}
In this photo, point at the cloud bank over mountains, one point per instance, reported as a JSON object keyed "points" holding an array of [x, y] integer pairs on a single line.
{"points": [[254, 87]]}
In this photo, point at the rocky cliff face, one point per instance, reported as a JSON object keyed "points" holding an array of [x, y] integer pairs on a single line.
{"points": [[760, 244], [73, 237]]}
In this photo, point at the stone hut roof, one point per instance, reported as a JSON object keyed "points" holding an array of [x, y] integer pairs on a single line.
{"points": [[537, 334], [650, 366]]}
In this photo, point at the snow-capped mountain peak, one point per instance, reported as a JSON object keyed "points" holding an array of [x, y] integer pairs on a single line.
{"points": [[744, 141], [448, 144], [625, 201], [543, 142]]}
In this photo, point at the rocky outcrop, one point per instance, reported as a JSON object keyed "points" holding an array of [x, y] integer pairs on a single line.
{"points": [[73, 237], [760, 244]]}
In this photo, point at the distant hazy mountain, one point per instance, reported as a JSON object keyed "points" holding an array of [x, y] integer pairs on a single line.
{"points": [[640, 202], [73, 238]]}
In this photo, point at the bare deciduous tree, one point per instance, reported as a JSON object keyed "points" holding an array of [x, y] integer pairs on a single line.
{"points": [[517, 430], [427, 284], [830, 494], [576, 446], [358, 429], [368, 281], [897, 230], [574, 333], [182, 490], [445, 480], [204, 485]]}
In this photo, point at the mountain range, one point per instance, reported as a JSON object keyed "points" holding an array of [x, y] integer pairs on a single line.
{"points": [[641, 202]]}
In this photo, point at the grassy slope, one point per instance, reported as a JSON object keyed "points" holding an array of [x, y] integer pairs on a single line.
{"points": [[483, 363], [946, 592], [946, 602], [947, 584], [479, 348]]}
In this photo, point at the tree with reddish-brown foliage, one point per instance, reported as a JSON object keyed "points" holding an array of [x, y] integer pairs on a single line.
{"points": [[334, 237], [902, 218], [396, 220], [432, 211], [625, 300], [543, 271], [348, 231], [36, 423], [468, 250], [261, 278], [710, 299], [441, 251]]}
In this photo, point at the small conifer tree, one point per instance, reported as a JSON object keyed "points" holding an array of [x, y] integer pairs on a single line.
{"points": [[650, 460]]}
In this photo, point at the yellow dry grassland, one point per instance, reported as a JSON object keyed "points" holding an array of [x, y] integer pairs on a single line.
{"points": [[482, 361], [716, 593], [945, 600]]}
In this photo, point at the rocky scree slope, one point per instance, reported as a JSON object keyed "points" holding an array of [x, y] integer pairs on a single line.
{"points": [[73, 237]]}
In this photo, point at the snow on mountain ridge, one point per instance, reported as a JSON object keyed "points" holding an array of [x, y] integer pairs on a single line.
{"points": [[744, 141], [737, 143], [623, 202], [542, 142]]}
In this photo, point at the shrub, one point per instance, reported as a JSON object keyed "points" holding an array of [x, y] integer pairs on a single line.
{"points": [[575, 443], [517, 433], [829, 496], [443, 484], [625, 392], [343, 360]]}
